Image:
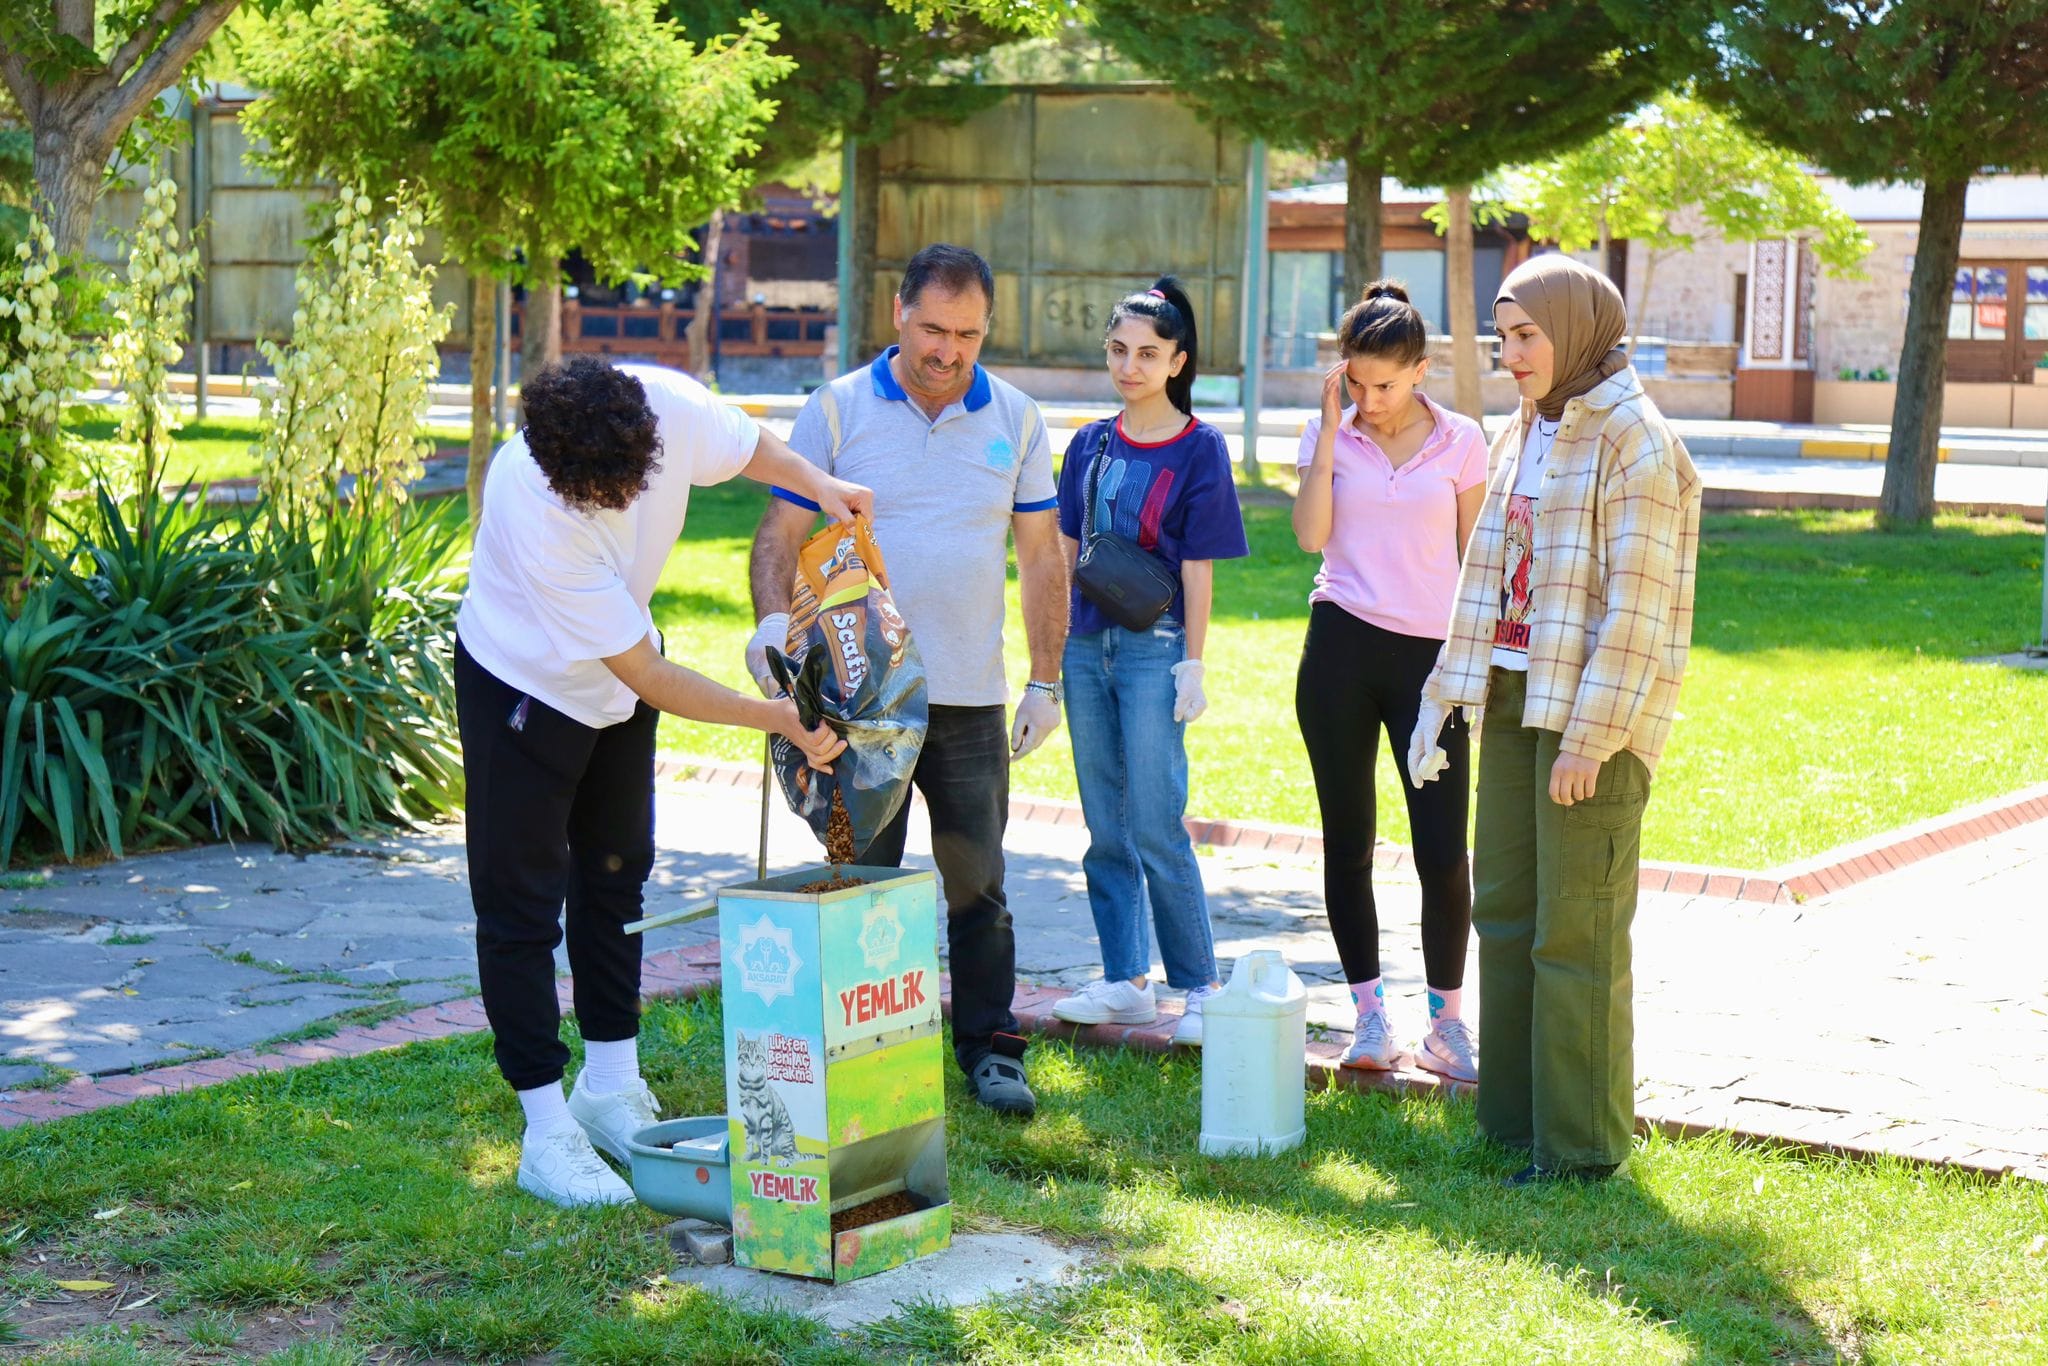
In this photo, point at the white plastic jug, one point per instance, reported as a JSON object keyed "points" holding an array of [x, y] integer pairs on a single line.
{"points": [[1254, 1036]]}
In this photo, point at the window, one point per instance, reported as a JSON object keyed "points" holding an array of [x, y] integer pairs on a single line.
{"points": [[1997, 320], [1302, 300], [1421, 273]]}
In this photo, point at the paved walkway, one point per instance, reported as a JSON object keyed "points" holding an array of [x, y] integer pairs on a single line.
{"points": [[1907, 1014]]}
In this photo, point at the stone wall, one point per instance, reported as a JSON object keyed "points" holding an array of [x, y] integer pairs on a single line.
{"points": [[1691, 294], [1861, 324]]}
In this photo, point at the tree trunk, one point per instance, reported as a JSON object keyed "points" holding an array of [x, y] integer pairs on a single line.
{"points": [[483, 315], [540, 328], [1464, 307], [705, 325], [1908, 498], [68, 174], [1642, 308], [867, 200], [1361, 225]]}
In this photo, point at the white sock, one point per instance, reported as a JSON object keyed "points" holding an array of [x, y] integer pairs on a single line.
{"points": [[547, 1111], [611, 1066]]}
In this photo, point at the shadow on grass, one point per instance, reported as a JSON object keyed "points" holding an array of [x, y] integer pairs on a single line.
{"points": [[1397, 1205]]}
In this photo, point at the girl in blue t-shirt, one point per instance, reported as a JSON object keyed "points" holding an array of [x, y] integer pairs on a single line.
{"points": [[1161, 480]]}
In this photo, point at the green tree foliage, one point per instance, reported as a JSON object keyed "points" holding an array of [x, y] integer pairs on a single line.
{"points": [[1675, 164], [1932, 91], [1436, 92], [863, 69], [536, 129]]}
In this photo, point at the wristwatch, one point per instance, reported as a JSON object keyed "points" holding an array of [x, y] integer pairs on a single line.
{"points": [[1054, 690]]}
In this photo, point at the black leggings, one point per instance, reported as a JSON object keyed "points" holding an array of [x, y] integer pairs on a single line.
{"points": [[1354, 679]]}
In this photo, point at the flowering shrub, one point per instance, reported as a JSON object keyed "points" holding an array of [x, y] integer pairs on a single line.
{"points": [[41, 366], [352, 384], [148, 334]]}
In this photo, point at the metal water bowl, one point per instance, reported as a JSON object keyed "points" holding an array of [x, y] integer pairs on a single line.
{"points": [[680, 1168]]}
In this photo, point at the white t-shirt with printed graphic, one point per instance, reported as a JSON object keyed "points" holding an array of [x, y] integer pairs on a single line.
{"points": [[1518, 574]]}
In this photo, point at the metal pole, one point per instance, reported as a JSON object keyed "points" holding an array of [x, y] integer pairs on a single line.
{"points": [[846, 210], [2041, 646], [1252, 390], [501, 402], [199, 206]]}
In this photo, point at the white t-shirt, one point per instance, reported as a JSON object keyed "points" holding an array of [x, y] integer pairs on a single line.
{"points": [[1518, 574], [554, 590]]}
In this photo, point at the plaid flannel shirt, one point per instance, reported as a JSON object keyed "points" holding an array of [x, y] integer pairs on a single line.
{"points": [[1617, 548]]}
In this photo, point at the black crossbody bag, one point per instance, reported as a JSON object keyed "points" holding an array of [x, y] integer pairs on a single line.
{"points": [[1129, 583]]}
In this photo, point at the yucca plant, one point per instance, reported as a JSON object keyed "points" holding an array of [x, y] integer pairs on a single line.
{"points": [[224, 677]]}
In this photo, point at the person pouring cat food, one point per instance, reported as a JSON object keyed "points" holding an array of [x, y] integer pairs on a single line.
{"points": [[559, 681]]}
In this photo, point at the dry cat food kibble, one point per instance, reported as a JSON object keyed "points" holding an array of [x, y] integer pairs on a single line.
{"points": [[839, 833], [839, 849], [875, 1211]]}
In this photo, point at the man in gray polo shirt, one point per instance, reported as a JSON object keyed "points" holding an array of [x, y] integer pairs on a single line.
{"points": [[959, 463]]}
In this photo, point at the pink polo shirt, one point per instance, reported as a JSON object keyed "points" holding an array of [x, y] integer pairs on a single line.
{"points": [[1392, 558]]}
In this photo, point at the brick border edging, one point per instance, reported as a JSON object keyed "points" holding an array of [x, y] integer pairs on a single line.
{"points": [[682, 973], [1808, 879]]}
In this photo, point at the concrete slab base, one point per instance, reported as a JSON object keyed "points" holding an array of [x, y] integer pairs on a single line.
{"points": [[2019, 659], [977, 1267]]}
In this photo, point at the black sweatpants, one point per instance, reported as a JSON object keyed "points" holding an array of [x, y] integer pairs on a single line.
{"points": [[1354, 679], [559, 813]]}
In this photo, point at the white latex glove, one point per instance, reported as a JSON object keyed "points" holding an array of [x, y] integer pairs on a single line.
{"points": [[1426, 757], [1189, 701], [773, 630], [1037, 717]]}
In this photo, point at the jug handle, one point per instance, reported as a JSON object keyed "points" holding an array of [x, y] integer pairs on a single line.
{"points": [[1269, 971]]}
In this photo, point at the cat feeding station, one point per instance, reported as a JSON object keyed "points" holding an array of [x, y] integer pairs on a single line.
{"points": [[834, 1071]]}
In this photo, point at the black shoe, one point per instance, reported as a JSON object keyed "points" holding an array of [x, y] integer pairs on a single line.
{"points": [[998, 1079], [1533, 1175]]}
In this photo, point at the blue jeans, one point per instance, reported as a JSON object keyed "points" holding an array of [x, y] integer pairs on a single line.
{"points": [[1132, 765]]}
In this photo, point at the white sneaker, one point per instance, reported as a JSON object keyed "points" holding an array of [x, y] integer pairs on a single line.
{"points": [[1108, 1002], [563, 1169], [1189, 1031], [1448, 1051], [1372, 1044], [613, 1117]]}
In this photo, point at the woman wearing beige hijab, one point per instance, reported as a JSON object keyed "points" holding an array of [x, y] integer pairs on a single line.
{"points": [[1570, 628]]}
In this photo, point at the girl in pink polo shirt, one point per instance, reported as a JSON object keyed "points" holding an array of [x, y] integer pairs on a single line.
{"points": [[1390, 488]]}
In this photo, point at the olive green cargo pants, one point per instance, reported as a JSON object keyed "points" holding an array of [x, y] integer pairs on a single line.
{"points": [[1554, 894]]}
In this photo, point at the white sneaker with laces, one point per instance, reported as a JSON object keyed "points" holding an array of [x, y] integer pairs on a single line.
{"points": [[1189, 1030], [1110, 1002], [563, 1169], [613, 1117], [1448, 1051], [1372, 1044]]}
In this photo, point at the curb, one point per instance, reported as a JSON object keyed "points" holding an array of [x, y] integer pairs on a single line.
{"points": [[1806, 500], [1805, 880], [683, 973]]}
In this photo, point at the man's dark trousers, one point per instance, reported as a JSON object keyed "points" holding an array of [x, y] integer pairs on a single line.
{"points": [[559, 813], [964, 774]]}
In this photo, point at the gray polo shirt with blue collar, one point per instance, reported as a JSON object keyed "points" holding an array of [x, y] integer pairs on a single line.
{"points": [[945, 490]]}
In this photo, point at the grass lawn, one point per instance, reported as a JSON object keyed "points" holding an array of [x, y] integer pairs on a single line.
{"points": [[218, 448], [342, 1212], [1827, 698]]}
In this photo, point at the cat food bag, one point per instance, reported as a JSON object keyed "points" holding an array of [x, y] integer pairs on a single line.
{"points": [[851, 662]]}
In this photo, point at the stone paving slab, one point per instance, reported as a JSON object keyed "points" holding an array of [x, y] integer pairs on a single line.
{"points": [[1903, 1016]]}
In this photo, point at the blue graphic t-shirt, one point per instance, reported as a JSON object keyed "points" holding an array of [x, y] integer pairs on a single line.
{"points": [[1174, 498]]}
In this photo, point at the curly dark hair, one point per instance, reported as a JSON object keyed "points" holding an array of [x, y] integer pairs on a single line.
{"points": [[591, 432]]}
